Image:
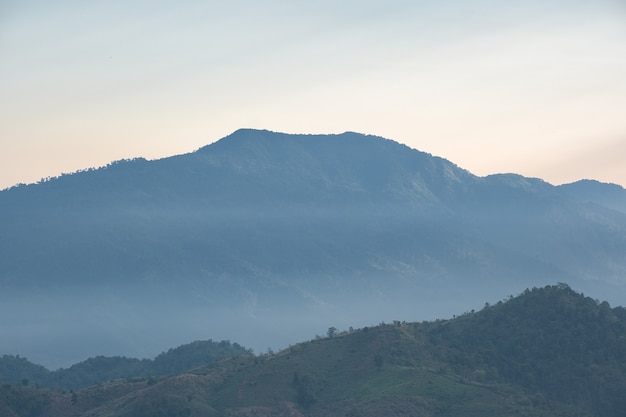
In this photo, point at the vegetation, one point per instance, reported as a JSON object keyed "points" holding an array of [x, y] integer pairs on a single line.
{"points": [[549, 352], [550, 340], [284, 224], [101, 369], [23, 401]]}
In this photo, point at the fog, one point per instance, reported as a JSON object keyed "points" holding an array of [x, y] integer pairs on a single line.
{"points": [[59, 327]]}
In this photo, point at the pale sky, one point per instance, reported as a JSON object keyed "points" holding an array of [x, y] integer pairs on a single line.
{"points": [[535, 87]]}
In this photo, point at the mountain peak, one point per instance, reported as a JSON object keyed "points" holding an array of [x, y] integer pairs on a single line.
{"points": [[330, 225], [262, 135]]}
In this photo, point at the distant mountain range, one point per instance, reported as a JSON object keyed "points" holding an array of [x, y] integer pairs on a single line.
{"points": [[268, 234], [548, 352]]}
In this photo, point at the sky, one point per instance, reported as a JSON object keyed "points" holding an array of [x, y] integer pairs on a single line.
{"points": [[532, 87]]}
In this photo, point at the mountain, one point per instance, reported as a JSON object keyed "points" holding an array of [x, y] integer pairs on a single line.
{"points": [[611, 196], [265, 237], [548, 352]]}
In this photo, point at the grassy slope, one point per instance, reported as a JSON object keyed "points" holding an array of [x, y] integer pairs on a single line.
{"points": [[382, 370], [476, 365], [365, 373]]}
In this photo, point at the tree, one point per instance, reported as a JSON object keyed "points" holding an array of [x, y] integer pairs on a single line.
{"points": [[332, 331], [306, 389]]}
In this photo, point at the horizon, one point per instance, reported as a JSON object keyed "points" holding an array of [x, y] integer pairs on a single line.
{"points": [[78, 171], [534, 88]]}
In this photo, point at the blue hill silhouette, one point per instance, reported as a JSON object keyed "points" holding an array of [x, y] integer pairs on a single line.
{"points": [[279, 235]]}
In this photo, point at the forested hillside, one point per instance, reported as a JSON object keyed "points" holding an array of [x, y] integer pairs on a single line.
{"points": [[264, 237], [551, 341], [548, 352]]}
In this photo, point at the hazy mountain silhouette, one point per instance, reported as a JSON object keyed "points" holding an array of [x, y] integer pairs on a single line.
{"points": [[593, 192], [270, 235]]}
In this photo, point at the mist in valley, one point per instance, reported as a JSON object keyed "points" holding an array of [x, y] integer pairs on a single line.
{"points": [[58, 328], [268, 239]]}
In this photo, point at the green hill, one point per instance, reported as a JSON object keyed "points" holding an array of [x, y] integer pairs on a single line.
{"points": [[548, 352]]}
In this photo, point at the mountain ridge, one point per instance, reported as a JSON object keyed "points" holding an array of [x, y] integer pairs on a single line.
{"points": [[260, 226]]}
